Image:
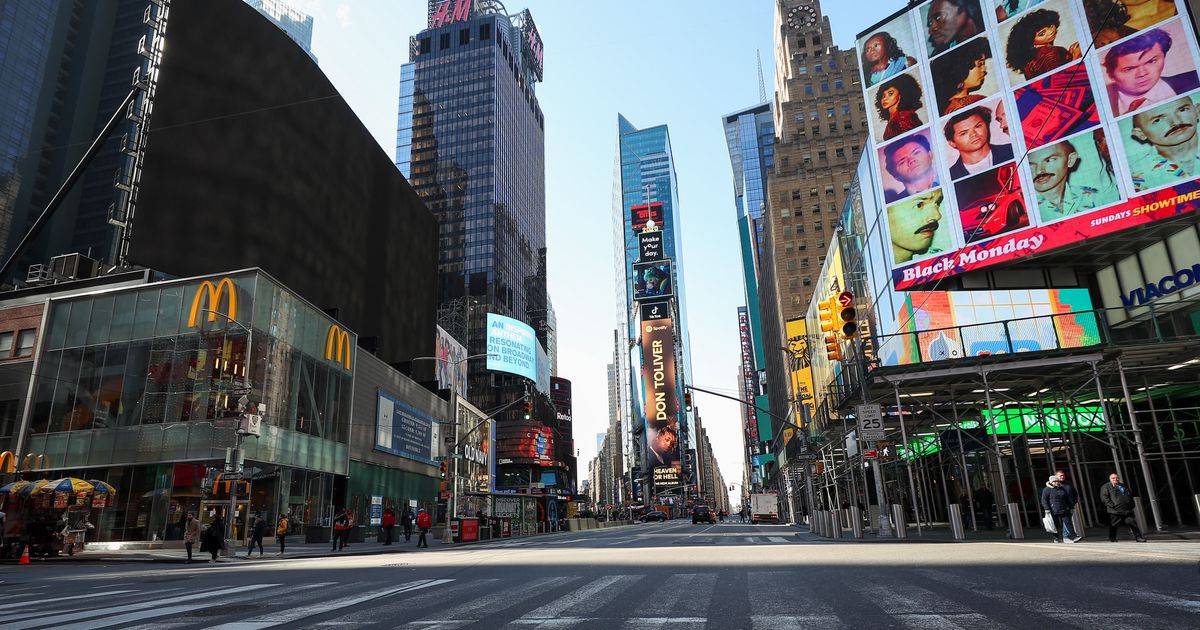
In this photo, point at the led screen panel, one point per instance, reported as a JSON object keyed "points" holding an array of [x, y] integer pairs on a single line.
{"points": [[512, 347], [1001, 130], [661, 398]]}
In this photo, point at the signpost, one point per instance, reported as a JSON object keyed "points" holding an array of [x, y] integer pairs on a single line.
{"points": [[870, 454], [870, 422]]}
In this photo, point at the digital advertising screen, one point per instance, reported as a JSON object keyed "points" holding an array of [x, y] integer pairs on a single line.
{"points": [[1001, 129], [652, 280], [641, 215], [660, 395], [511, 347], [451, 370]]}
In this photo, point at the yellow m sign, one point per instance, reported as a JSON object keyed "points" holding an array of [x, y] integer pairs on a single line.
{"points": [[213, 292], [8, 462], [338, 340]]}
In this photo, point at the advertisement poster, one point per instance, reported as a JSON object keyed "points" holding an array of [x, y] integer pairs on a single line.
{"points": [[641, 216], [655, 310], [800, 366], [650, 246], [945, 320], [660, 393], [749, 381], [1001, 130], [511, 346], [451, 370], [402, 430], [652, 280]]}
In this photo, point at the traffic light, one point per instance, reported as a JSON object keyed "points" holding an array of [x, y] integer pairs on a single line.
{"points": [[528, 408], [826, 310], [687, 400], [848, 314]]}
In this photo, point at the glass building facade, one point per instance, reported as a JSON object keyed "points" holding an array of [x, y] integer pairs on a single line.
{"points": [[139, 387], [750, 136], [297, 24], [645, 174]]}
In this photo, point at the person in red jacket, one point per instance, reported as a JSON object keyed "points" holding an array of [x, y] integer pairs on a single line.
{"points": [[424, 522], [388, 522]]}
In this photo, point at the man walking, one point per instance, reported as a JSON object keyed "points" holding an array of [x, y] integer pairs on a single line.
{"points": [[1058, 503], [257, 532], [987, 504], [191, 534], [1117, 500], [407, 522], [388, 522], [424, 522]]}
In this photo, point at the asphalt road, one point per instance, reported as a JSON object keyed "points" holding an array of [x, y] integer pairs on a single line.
{"points": [[660, 575]]}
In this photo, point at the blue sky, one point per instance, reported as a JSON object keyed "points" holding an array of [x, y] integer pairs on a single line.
{"points": [[685, 64]]}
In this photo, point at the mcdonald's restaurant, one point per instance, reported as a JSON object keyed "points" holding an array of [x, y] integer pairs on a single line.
{"points": [[137, 381]]}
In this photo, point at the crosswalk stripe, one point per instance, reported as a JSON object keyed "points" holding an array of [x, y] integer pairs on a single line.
{"points": [[788, 596], [795, 622], [108, 613], [492, 603], [1157, 598], [898, 597], [407, 606], [777, 539], [674, 623], [950, 621], [681, 590], [586, 599], [34, 602], [281, 617]]}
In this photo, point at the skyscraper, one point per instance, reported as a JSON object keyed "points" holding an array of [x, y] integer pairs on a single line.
{"points": [[750, 136], [821, 128], [646, 196], [470, 139], [297, 24]]}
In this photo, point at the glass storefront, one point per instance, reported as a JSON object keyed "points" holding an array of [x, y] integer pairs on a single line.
{"points": [[140, 387]]}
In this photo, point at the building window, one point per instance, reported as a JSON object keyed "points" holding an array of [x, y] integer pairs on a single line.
{"points": [[824, 86], [804, 264], [800, 117], [802, 70], [485, 31], [813, 115], [839, 152], [6, 345], [829, 190], [808, 91], [426, 46], [807, 281], [25, 342], [785, 212], [832, 127], [812, 192], [820, 69], [833, 64], [816, 40], [816, 131], [816, 209], [838, 84], [819, 225], [464, 37], [444, 41], [829, 112], [845, 109]]}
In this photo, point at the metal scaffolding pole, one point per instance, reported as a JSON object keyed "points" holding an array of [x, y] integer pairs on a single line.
{"points": [[1162, 454], [962, 458], [1108, 424], [1141, 449], [912, 486], [1003, 486]]}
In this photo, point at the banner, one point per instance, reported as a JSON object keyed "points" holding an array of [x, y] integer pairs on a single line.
{"points": [[451, 370], [660, 393], [1002, 130], [511, 347], [650, 246], [800, 367], [652, 280], [402, 430]]}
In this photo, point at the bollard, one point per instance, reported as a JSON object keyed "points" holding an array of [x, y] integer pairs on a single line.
{"points": [[1196, 504], [899, 523], [818, 521], [856, 528], [835, 517], [1139, 513], [956, 526], [1015, 529]]}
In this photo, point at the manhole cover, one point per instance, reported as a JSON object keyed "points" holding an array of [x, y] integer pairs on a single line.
{"points": [[217, 611]]}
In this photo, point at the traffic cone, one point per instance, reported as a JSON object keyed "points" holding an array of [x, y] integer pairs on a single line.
{"points": [[25, 554]]}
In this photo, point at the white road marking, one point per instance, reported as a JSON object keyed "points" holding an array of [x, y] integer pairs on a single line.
{"points": [[1191, 604], [477, 608], [281, 617], [155, 606], [53, 598], [777, 539], [688, 593], [795, 622], [955, 621], [648, 623], [586, 599]]}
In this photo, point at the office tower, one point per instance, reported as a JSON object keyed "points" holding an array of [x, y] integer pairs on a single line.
{"points": [[297, 24], [821, 127], [750, 136], [651, 308], [470, 139]]}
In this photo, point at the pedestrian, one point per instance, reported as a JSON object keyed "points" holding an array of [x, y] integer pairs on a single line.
{"points": [[424, 522], [1056, 501], [1117, 500], [987, 504], [341, 530], [388, 522], [407, 522], [191, 533], [214, 537], [1073, 495], [257, 532], [281, 532]]}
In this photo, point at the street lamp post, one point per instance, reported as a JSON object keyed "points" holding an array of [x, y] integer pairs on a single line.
{"points": [[234, 465]]}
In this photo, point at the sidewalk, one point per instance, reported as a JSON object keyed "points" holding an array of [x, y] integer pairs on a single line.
{"points": [[940, 533]]}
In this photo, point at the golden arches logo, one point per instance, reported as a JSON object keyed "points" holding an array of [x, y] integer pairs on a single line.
{"points": [[214, 293], [339, 339], [8, 462]]}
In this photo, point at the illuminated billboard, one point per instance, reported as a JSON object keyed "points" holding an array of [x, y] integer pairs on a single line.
{"points": [[451, 369], [660, 395], [511, 347], [652, 280], [1000, 130], [643, 214], [937, 325]]}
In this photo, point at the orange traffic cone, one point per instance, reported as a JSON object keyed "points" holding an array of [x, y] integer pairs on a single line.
{"points": [[25, 554]]}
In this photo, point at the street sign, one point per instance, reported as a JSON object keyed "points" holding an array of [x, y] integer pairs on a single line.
{"points": [[870, 422], [231, 476], [887, 451], [870, 453], [845, 299], [806, 457]]}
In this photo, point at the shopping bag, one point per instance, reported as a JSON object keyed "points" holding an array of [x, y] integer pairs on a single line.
{"points": [[1048, 523]]}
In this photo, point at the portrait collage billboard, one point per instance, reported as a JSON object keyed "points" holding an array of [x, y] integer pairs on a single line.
{"points": [[1001, 129]]}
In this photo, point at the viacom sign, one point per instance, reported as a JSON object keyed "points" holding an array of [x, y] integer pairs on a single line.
{"points": [[1181, 279]]}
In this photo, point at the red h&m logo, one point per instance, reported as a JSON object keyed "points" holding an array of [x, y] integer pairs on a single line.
{"points": [[444, 16]]}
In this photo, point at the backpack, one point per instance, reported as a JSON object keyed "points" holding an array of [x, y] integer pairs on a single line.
{"points": [[424, 521], [282, 528]]}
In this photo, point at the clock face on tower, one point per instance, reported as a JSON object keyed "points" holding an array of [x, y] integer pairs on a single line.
{"points": [[801, 16]]}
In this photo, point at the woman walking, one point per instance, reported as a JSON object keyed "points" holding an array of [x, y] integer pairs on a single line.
{"points": [[281, 531], [214, 537]]}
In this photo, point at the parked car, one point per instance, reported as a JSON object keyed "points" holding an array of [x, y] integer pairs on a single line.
{"points": [[653, 516], [701, 514]]}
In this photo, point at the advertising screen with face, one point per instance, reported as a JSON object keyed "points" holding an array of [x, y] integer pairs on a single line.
{"points": [[1038, 123]]}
